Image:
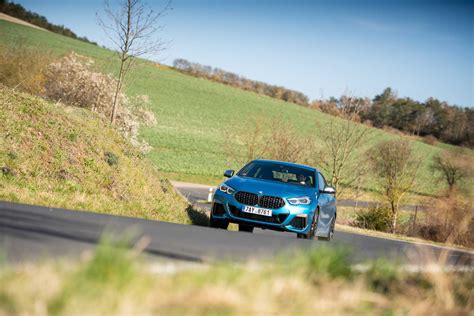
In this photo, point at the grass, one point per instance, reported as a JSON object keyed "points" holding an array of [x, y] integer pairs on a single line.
{"points": [[197, 118], [115, 281], [68, 157]]}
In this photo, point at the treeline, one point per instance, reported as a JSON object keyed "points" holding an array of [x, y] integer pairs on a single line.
{"points": [[433, 118], [19, 12], [240, 82]]}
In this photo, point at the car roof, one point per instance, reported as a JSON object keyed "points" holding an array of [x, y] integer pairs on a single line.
{"points": [[287, 164]]}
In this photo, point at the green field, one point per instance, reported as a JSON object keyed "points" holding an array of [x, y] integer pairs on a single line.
{"points": [[197, 117]]}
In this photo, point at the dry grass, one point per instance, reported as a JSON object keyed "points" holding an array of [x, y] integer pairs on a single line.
{"points": [[116, 282], [447, 220]]}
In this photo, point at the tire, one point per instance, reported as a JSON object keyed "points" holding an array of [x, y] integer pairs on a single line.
{"points": [[312, 230], [331, 231], [218, 223], [245, 228]]}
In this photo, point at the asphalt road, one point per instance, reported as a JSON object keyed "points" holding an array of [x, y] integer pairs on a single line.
{"points": [[34, 233]]}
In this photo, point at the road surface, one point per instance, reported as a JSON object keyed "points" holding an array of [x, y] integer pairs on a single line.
{"points": [[34, 233]]}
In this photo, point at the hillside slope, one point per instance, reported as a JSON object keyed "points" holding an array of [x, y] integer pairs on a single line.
{"points": [[197, 118], [68, 157]]}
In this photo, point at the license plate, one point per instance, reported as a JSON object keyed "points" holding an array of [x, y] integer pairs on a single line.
{"points": [[257, 210]]}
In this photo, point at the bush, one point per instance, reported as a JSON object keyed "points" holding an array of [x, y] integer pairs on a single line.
{"points": [[111, 158], [430, 140], [72, 81], [375, 218]]}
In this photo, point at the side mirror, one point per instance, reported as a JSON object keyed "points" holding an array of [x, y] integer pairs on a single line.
{"points": [[329, 190], [228, 173]]}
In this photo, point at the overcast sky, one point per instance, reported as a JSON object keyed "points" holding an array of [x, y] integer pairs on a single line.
{"points": [[322, 48]]}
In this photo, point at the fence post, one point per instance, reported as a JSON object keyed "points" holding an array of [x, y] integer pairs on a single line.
{"points": [[209, 196], [414, 219]]}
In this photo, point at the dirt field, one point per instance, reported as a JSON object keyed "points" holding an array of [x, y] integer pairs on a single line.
{"points": [[18, 21]]}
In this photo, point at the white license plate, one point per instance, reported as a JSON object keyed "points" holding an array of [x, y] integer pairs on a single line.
{"points": [[257, 210]]}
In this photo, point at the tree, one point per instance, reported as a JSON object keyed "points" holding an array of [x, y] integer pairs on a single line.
{"points": [[133, 29], [342, 138], [452, 167], [395, 168]]}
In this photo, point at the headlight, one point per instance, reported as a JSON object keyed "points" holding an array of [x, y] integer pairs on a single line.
{"points": [[224, 188], [300, 200]]}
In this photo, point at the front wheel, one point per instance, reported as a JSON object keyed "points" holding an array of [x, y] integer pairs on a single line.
{"points": [[245, 228], [331, 231]]}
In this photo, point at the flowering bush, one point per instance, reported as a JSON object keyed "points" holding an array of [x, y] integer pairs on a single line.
{"points": [[72, 81]]}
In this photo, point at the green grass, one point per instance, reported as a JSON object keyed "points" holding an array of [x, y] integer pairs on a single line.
{"points": [[195, 115], [68, 157], [115, 281]]}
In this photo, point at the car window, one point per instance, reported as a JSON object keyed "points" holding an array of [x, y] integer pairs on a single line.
{"points": [[321, 182], [279, 173]]}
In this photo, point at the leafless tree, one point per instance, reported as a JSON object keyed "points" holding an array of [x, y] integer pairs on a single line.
{"points": [[133, 29], [395, 167], [342, 139], [453, 167]]}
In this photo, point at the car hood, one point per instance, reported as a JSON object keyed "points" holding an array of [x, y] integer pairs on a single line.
{"points": [[268, 187]]}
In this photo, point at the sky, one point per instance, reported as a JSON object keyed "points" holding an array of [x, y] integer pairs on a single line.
{"points": [[325, 48]]}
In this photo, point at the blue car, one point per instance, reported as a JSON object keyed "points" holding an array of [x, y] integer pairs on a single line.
{"points": [[276, 195]]}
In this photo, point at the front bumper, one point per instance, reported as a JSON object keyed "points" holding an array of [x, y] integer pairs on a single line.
{"points": [[291, 218]]}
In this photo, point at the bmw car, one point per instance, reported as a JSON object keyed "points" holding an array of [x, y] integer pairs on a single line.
{"points": [[276, 195]]}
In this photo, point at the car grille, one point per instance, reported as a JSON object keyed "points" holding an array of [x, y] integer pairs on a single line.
{"points": [[247, 198], [275, 219], [271, 202]]}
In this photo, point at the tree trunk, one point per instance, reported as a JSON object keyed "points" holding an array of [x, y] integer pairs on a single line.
{"points": [[394, 216], [117, 91]]}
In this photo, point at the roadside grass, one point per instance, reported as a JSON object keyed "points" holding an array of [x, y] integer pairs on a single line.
{"points": [[197, 118], [60, 156], [116, 281], [395, 236]]}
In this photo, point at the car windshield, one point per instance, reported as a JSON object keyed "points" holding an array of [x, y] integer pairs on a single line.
{"points": [[274, 171]]}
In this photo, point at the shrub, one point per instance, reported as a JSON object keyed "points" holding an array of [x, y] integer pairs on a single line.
{"points": [[375, 218], [72, 81], [110, 158], [430, 140]]}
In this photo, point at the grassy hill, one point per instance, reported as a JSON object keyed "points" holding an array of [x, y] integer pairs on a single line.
{"points": [[51, 155], [194, 114]]}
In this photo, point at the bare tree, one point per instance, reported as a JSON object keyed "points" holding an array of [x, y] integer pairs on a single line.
{"points": [[342, 138], [133, 29], [453, 167], [396, 168]]}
